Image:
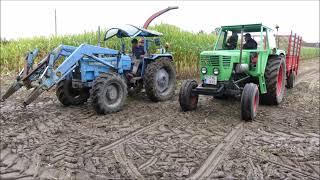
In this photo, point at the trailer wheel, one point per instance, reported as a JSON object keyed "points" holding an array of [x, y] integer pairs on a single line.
{"points": [[275, 76], [71, 96], [160, 80], [291, 80], [249, 102], [188, 101], [109, 92]]}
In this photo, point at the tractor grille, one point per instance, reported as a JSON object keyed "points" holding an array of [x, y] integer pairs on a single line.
{"points": [[209, 60], [226, 60]]}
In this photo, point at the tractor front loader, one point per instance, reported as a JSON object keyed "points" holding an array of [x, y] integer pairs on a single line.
{"points": [[76, 74]]}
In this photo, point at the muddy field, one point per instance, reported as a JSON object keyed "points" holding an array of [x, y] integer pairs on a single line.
{"points": [[157, 141]]}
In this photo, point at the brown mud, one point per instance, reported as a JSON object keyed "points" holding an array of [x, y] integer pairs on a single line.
{"points": [[150, 140]]}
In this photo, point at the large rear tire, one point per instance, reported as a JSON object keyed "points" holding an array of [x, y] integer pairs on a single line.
{"points": [[275, 76], [71, 96], [188, 101], [160, 80], [109, 92], [249, 102]]}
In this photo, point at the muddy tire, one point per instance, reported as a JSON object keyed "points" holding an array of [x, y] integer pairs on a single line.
{"points": [[188, 101], [291, 80], [249, 102], [71, 96], [109, 93], [160, 80], [275, 76]]}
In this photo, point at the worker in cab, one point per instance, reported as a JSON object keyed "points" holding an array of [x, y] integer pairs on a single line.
{"points": [[250, 43], [232, 41], [137, 54]]}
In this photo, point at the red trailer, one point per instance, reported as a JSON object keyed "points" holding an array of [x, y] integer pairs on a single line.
{"points": [[292, 58]]}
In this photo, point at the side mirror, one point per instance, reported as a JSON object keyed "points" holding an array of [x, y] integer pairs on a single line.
{"points": [[157, 41]]}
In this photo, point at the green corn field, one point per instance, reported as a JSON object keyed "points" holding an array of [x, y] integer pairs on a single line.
{"points": [[185, 46]]}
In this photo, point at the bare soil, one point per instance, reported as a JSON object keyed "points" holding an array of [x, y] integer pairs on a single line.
{"points": [[150, 140]]}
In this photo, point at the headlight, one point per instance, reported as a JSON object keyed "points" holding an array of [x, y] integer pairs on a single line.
{"points": [[215, 71], [204, 70]]}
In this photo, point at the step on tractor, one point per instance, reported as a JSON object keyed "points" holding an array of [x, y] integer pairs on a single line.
{"points": [[247, 64], [103, 74]]}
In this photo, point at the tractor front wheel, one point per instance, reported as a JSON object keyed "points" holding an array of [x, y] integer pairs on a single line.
{"points": [[249, 102], [188, 101], [160, 80], [109, 92], [275, 76], [68, 95]]}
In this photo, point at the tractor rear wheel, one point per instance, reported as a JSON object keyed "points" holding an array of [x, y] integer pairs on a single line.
{"points": [[68, 95], [109, 92], [249, 102], [188, 101], [275, 76], [291, 80], [160, 80]]}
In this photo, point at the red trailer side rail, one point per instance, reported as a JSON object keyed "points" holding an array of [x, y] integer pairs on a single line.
{"points": [[293, 54]]}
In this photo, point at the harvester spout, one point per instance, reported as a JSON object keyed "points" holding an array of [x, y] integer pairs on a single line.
{"points": [[155, 15]]}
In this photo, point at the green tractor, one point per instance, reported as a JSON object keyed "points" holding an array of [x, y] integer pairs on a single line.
{"points": [[245, 63]]}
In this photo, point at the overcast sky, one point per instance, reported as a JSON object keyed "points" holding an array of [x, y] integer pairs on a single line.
{"points": [[34, 18]]}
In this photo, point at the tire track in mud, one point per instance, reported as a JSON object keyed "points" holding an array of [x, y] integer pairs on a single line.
{"points": [[129, 166], [308, 175], [134, 134], [218, 153]]}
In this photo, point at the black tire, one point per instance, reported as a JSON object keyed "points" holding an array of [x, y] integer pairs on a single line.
{"points": [[187, 100], [104, 88], [153, 88], [71, 96], [249, 102], [291, 80], [275, 81]]}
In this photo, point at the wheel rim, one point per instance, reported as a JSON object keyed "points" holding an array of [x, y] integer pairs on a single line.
{"points": [[279, 82], [193, 100], [162, 80], [112, 93]]}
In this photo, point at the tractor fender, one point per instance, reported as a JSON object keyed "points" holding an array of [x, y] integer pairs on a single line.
{"points": [[157, 56]]}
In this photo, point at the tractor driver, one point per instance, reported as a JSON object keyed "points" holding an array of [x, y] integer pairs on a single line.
{"points": [[138, 53], [232, 41], [250, 43]]}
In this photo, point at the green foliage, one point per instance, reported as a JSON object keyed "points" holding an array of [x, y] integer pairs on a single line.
{"points": [[309, 52], [185, 46]]}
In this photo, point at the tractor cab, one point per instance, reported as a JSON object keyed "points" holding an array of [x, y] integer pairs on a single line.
{"points": [[144, 56], [150, 39]]}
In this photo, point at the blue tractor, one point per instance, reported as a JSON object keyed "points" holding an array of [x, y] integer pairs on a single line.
{"points": [[104, 74]]}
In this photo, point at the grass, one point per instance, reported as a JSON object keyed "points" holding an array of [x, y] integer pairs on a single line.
{"points": [[186, 47]]}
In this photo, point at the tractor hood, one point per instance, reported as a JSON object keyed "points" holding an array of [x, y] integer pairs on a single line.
{"points": [[233, 53]]}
